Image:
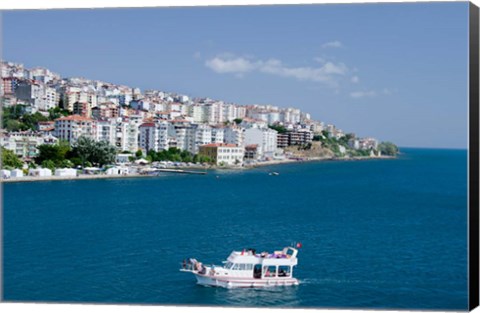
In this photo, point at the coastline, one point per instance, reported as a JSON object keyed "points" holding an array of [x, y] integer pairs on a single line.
{"points": [[136, 175]]}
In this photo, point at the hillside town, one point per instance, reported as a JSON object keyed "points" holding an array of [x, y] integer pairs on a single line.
{"points": [[42, 108]]}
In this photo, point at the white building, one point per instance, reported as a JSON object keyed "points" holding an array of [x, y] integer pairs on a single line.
{"points": [[71, 97], [233, 135], [72, 127], [128, 133], [198, 113], [40, 172], [183, 135], [106, 130], [66, 172], [16, 173], [154, 136], [24, 144], [218, 134], [229, 112], [117, 171], [203, 136], [265, 138]]}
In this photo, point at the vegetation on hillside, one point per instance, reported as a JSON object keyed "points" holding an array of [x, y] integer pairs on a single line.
{"points": [[15, 118], [10, 160], [279, 128], [388, 148]]}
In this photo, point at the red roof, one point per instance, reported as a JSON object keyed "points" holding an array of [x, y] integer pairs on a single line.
{"points": [[147, 125]]}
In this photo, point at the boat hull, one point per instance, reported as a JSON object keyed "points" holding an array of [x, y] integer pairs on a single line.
{"points": [[241, 282]]}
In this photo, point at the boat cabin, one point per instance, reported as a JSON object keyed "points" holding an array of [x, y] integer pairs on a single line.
{"points": [[248, 263]]}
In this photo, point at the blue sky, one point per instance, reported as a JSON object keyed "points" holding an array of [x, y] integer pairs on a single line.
{"points": [[397, 72]]}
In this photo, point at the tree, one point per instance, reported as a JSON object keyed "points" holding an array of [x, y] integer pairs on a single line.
{"points": [[14, 125], [317, 138], [85, 147], [279, 128], [31, 120], [238, 121], [139, 154], [388, 148], [103, 153], [89, 151], [10, 159], [56, 152], [49, 164], [57, 112]]}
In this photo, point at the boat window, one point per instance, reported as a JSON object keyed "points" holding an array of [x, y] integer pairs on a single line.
{"points": [[249, 267], [269, 271], [241, 267], [236, 267], [284, 271], [257, 271], [228, 265]]}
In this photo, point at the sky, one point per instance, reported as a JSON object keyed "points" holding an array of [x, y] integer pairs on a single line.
{"points": [[396, 71]]}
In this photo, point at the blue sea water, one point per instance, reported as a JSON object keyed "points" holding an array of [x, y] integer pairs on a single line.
{"points": [[376, 234]]}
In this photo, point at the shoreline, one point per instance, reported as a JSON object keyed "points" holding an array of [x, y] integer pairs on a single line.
{"points": [[136, 175]]}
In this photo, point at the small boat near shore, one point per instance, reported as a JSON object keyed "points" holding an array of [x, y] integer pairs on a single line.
{"points": [[247, 269], [273, 173]]}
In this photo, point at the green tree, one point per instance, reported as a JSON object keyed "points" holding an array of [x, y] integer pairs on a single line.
{"points": [[49, 164], [388, 148], [14, 125], [103, 153], [279, 128], [31, 120], [317, 138], [57, 112], [56, 152], [85, 149], [238, 121], [10, 159], [139, 154], [65, 164]]}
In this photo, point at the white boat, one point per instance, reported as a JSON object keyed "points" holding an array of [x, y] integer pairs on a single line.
{"points": [[247, 269]]}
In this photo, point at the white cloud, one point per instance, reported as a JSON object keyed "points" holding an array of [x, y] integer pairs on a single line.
{"points": [[355, 79], [363, 94], [327, 73], [332, 44], [228, 65]]}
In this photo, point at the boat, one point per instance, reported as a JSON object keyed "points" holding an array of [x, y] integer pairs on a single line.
{"points": [[274, 173], [247, 269]]}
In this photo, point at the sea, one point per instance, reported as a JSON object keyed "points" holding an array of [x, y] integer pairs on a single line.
{"points": [[379, 233]]}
